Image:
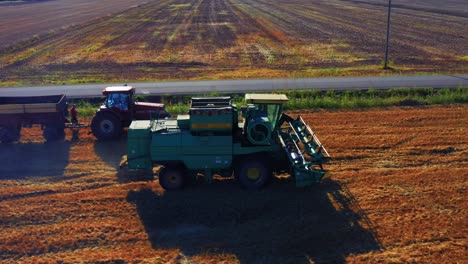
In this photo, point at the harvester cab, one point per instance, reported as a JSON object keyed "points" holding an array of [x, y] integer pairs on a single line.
{"points": [[261, 116], [211, 140], [266, 123]]}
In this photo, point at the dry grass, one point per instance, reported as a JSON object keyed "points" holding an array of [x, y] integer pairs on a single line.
{"points": [[397, 194]]}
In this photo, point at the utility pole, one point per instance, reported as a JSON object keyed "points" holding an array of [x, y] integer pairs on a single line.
{"points": [[388, 34]]}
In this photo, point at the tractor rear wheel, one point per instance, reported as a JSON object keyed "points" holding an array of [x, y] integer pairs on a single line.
{"points": [[253, 174], [172, 178], [106, 126]]}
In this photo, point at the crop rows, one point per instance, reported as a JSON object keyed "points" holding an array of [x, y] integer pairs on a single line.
{"points": [[218, 39]]}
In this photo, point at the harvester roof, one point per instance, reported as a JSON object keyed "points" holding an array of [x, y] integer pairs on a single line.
{"points": [[211, 102], [266, 98]]}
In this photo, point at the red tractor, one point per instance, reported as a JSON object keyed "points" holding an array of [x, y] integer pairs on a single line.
{"points": [[118, 111]]}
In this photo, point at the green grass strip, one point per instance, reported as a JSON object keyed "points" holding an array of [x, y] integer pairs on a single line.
{"points": [[331, 99]]}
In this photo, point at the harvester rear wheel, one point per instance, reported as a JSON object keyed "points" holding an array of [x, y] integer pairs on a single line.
{"points": [[172, 178], [253, 174]]}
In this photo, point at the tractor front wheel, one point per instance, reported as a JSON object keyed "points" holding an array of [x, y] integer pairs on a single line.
{"points": [[106, 126], [253, 174], [172, 178]]}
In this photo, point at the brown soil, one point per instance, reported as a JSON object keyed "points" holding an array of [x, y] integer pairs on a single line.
{"points": [[205, 39], [23, 20], [397, 193]]}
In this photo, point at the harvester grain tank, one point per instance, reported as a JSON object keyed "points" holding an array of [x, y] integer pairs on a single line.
{"points": [[210, 140]]}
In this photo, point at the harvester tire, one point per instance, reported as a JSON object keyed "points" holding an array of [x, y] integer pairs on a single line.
{"points": [[106, 126], [172, 178], [253, 174]]}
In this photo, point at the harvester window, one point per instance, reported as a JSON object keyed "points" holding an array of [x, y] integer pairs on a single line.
{"points": [[273, 114]]}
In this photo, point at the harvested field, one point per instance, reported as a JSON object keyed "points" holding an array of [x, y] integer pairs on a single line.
{"points": [[238, 39], [21, 21], [397, 193]]}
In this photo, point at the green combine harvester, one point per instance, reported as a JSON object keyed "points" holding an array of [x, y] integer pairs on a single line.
{"points": [[210, 140]]}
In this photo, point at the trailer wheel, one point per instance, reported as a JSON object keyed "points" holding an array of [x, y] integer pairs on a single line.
{"points": [[172, 178], [106, 126], [253, 174], [9, 134], [53, 133]]}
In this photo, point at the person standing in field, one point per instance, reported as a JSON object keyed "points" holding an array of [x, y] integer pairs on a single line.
{"points": [[74, 114]]}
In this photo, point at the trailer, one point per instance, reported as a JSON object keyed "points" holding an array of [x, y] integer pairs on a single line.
{"points": [[210, 140], [50, 112]]}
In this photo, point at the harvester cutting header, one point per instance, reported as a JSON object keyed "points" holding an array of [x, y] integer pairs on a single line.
{"points": [[211, 140]]}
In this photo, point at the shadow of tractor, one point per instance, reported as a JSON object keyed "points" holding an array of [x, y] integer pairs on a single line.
{"points": [[20, 160], [111, 151], [280, 224]]}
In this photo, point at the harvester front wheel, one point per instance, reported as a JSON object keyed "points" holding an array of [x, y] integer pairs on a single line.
{"points": [[171, 178], [253, 174]]}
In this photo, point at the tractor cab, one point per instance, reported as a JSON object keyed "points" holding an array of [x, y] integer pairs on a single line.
{"points": [[119, 97], [119, 100], [118, 111]]}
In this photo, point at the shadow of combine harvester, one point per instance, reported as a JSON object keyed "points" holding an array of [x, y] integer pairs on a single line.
{"points": [[280, 224]]}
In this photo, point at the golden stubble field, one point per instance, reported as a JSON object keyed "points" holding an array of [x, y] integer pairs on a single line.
{"points": [[229, 39], [397, 193]]}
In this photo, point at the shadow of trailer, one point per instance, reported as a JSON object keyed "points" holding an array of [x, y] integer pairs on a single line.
{"points": [[50, 112]]}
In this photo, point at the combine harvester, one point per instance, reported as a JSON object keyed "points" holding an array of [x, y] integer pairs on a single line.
{"points": [[210, 140]]}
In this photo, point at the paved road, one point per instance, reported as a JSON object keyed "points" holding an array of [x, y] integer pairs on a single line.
{"points": [[243, 86]]}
